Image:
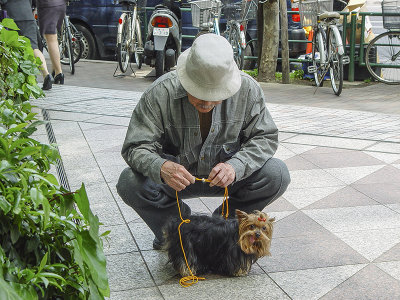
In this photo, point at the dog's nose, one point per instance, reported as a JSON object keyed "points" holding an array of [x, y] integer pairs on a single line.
{"points": [[258, 234]]}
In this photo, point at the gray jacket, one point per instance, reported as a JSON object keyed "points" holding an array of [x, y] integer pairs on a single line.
{"points": [[165, 126], [19, 10]]}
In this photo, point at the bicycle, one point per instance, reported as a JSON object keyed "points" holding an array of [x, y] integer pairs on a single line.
{"points": [[238, 15], [327, 46], [382, 56], [70, 44], [205, 15], [129, 36]]}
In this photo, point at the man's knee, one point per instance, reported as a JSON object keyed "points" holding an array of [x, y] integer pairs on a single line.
{"points": [[129, 184], [277, 175]]}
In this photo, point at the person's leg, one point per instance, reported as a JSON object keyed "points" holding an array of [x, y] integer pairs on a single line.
{"points": [[259, 189], [54, 52], [29, 29], [154, 203], [43, 67]]}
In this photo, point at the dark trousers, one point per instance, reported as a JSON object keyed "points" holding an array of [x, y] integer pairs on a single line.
{"points": [[156, 203]]}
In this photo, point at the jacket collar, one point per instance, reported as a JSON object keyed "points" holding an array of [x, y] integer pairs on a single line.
{"points": [[180, 92]]}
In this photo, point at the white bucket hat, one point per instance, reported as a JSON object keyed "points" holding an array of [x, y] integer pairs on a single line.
{"points": [[207, 70]]}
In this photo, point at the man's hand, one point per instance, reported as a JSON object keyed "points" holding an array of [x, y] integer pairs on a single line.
{"points": [[176, 176], [222, 175]]}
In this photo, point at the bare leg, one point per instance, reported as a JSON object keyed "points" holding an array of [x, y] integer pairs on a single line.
{"points": [[43, 67], [54, 52]]}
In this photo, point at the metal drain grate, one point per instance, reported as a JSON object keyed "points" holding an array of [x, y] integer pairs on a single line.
{"points": [[62, 176]]}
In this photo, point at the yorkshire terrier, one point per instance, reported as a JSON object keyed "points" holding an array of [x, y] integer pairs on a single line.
{"points": [[215, 245]]}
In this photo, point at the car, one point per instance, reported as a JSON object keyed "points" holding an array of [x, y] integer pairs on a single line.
{"points": [[97, 20]]}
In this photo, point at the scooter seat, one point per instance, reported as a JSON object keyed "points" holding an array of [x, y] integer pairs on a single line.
{"points": [[127, 2], [160, 8]]}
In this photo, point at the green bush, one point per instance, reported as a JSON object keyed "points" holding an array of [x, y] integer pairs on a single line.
{"points": [[50, 247]]}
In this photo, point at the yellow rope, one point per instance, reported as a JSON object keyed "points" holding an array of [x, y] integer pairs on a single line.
{"points": [[184, 281]]}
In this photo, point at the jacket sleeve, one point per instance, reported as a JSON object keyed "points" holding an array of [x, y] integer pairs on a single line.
{"points": [[259, 139], [142, 146]]}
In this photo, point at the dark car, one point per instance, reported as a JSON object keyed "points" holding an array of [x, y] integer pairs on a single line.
{"points": [[98, 21]]}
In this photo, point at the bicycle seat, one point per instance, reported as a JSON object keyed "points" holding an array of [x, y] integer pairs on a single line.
{"points": [[329, 15]]}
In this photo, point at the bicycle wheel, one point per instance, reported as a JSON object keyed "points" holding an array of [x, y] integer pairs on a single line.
{"points": [[319, 57], [77, 47], [138, 44], [382, 57], [123, 47], [234, 40], [336, 64], [77, 44], [65, 46]]}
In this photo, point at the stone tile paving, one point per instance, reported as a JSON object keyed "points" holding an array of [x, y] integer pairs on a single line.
{"points": [[337, 234]]}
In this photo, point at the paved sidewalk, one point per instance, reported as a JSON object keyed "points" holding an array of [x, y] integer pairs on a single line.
{"points": [[337, 234]]}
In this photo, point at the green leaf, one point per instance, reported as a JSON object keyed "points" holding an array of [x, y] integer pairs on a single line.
{"points": [[11, 37], [18, 128], [52, 275], [9, 23], [51, 178], [105, 233], [14, 234], [83, 202], [43, 262], [7, 292], [83, 205], [28, 151], [94, 258], [4, 164], [46, 209], [94, 292], [36, 196], [4, 205], [28, 274], [15, 291], [45, 281]]}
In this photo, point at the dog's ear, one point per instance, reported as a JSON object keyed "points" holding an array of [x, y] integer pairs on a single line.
{"points": [[272, 219], [241, 215]]}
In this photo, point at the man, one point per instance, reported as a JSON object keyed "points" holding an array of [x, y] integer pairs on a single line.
{"points": [[206, 119]]}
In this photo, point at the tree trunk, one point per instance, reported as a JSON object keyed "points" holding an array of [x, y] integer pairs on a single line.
{"points": [[268, 46], [284, 41]]}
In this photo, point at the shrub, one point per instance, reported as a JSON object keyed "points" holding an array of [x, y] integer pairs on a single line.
{"points": [[50, 247]]}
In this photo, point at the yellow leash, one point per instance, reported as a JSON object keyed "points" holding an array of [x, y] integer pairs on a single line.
{"points": [[192, 279]]}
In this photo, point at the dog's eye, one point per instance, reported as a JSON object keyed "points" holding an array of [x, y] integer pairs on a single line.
{"points": [[264, 228], [252, 226]]}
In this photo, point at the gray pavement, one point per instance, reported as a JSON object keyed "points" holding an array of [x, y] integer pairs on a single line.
{"points": [[337, 234]]}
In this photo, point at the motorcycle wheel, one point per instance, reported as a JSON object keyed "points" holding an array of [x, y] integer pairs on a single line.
{"points": [[160, 62]]}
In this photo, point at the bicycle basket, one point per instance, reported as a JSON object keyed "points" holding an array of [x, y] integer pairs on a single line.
{"points": [[310, 9], [391, 7], [204, 10], [232, 11], [249, 9]]}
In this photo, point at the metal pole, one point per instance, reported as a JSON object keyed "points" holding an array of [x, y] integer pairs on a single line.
{"points": [[352, 46]]}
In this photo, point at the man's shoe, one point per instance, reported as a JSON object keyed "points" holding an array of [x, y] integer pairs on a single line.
{"points": [[157, 244], [48, 82]]}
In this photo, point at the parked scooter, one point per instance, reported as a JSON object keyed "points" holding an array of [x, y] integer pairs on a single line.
{"points": [[164, 37]]}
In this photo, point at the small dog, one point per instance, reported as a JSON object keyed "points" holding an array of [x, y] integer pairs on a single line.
{"points": [[213, 244]]}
